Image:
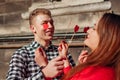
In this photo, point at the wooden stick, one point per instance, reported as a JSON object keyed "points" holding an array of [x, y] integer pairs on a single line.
{"points": [[67, 28], [71, 39]]}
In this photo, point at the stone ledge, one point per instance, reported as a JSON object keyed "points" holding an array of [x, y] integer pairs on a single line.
{"points": [[64, 3], [72, 9]]}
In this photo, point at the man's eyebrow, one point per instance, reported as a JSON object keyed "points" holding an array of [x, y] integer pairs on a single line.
{"points": [[51, 20], [44, 21]]}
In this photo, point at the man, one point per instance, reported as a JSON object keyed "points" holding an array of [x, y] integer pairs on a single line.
{"points": [[23, 65]]}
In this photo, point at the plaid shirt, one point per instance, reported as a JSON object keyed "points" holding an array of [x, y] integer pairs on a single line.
{"points": [[23, 67]]}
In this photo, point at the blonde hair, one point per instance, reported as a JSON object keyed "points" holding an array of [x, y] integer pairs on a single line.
{"points": [[36, 12]]}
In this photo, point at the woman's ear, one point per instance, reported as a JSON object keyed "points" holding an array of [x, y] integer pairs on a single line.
{"points": [[32, 28]]}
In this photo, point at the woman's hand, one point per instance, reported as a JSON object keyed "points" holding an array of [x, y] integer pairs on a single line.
{"points": [[83, 56], [63, 49]]}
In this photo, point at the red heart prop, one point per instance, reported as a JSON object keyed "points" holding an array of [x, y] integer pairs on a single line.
{"points": [[76, 28], [86, 29]]}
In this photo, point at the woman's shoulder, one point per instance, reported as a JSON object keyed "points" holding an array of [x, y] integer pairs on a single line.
{"points": [[96, 73], [105, 73], [101, 70], [101, 73]]}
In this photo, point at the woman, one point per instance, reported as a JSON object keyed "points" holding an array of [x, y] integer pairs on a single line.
{"points": [[103, 63]]}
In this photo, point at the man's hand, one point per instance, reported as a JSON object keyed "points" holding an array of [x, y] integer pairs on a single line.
{"points": [[54, 67], [40, 57]]}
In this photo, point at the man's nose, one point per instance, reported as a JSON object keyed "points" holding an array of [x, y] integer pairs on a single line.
{"points": [[50, 25]]}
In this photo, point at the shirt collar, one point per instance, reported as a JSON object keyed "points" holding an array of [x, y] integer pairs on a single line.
{"points": [[35, 44]]}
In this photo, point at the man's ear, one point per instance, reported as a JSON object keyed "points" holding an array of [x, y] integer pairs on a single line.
{"points": [[32, 28]]}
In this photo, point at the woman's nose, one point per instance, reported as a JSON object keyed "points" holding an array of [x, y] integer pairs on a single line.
{"points": [[89, 30]]}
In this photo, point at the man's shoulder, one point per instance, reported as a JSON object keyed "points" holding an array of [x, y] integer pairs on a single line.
{"points": [[22, 51]]}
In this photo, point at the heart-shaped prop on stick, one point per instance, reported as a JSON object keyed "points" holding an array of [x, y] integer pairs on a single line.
{"points": [[85, 31], [76, 29]]}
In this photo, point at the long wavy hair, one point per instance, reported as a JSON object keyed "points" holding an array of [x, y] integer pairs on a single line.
{"points": [[107, 52]]}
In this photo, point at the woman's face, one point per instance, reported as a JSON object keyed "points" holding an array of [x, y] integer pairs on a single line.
{"points": [[92, 39]]}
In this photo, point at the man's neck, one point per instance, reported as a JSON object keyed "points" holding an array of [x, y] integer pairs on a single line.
{"points": [[43, 43]]}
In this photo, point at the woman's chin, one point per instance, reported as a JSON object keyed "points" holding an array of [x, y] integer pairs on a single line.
{"points": [[86, 43]]}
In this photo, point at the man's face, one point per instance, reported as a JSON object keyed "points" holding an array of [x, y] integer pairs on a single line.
{"points": [[40, 31]]}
